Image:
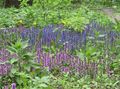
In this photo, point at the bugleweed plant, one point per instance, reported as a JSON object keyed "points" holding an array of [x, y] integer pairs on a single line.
{"points": [[21, 66], [80, 55], [55, 45]]}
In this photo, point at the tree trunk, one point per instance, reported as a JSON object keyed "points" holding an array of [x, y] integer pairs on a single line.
{"points": [[15, 3]]}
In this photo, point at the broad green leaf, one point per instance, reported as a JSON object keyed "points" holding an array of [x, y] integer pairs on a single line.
{"points": [[13, 60]]}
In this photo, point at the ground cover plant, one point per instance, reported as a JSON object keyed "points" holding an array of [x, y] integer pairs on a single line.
{"points": [[57, 45]]}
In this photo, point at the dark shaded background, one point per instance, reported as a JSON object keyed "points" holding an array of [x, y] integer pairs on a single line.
{"points": [[14, 3]]}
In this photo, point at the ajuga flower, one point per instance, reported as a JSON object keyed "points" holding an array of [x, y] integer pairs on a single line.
{"points": [[13, 85], [6, 87]]}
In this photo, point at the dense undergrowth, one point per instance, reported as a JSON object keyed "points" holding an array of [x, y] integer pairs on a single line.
{"points": [[38, 16], [58, 45]]}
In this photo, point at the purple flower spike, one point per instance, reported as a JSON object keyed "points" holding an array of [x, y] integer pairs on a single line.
{"points": [[84, 34], [66, 69], [13, 85], [112, 37]]}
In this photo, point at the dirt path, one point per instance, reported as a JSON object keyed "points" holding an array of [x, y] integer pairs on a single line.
{"points": [[111, 13]]}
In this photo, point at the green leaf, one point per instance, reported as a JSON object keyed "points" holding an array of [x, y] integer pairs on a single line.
{"points": [[13, 60], [24, 44], [13, 70], [81, 55], [11, 49], [45, 79], [18, 45], [43, 85]]}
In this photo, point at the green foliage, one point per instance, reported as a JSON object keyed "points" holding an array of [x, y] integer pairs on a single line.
{"points": [[75, 82], [117, 25], [22, 64], [115, 65], [23, 3], [1, 3], [41, 83], [28, 74], [102, 2], [47, 12], [25, 71], [51, 4]]}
